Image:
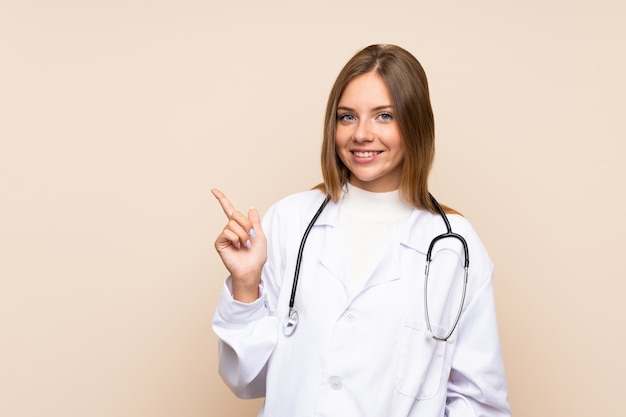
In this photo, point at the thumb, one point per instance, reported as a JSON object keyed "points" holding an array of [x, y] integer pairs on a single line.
{"points": [[255, 218]]}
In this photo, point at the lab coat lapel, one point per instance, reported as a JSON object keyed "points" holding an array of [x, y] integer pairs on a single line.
{"points": [[419, 231], [415, 236], [387, 268], [332, 254]]}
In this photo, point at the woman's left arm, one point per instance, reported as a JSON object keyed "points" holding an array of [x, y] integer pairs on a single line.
{"points": [[477, 384]]}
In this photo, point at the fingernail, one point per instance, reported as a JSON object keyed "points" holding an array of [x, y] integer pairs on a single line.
{"points": [[238, 245], [252, 234], [248, 244]]}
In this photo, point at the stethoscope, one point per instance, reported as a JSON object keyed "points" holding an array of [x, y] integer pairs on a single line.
{"points": [[292, 320]]}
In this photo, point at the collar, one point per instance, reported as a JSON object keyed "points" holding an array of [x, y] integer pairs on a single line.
{"points": [[416, 237]]}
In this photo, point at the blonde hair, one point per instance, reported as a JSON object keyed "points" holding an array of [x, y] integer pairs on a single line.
{"points": [[408, 87]]}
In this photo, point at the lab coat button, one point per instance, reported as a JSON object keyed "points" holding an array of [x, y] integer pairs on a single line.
{"points": [[336, 383], [350, 317]]}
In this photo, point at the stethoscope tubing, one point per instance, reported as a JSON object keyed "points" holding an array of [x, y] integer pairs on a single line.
{"points": [[448, 234], [296, 274], [292, 321], [292, 318]]}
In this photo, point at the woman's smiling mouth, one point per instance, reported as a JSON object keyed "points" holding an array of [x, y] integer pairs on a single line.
{"points": [[368, 154]]}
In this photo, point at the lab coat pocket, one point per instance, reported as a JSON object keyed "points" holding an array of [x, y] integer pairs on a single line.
{"points": [[420, 362]]}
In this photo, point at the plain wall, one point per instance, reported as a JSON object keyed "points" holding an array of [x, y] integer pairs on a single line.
{"points": [[117, 117]]}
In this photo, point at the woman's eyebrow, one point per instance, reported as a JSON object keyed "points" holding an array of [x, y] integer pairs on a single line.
{"points": [[377, 108]]}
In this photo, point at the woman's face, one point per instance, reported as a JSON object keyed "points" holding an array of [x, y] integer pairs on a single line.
{"points": [[367, 136]]}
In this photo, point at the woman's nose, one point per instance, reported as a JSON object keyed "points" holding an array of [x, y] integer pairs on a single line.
{"points": [[363, 131]]}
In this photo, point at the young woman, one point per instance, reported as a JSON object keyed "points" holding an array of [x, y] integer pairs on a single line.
{"points": [[366, 332]]}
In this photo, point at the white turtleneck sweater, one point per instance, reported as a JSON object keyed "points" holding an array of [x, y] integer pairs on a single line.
{"points": [[369, 222]]}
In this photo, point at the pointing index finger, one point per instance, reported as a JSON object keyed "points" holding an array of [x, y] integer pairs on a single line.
{"points": [[224, 202]]}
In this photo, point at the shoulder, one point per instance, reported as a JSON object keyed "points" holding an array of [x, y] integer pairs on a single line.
{"points": [[435, 224], [285, 221], [299, 201], [464, 227], [461, 225], [295, 206], [480, 260], [479, 256]]}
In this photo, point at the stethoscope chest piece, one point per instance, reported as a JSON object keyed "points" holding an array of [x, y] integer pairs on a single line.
{"points": [[289, 327]]}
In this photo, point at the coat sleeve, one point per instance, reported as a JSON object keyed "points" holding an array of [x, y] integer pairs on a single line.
{"points": [[247, 336], [477, 384], [248, 333]]}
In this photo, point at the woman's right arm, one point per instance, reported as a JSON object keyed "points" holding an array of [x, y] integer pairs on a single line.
{"points": [[246, 330]]}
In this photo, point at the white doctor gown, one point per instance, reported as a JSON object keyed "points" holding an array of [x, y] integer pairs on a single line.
{"points": [[364, 354]]}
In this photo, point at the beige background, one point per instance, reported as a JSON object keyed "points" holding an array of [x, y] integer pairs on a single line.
{"points": [[116, 117]]}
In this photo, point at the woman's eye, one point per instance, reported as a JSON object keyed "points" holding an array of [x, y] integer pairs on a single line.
{"points": [[385, 117], [346, 117]]}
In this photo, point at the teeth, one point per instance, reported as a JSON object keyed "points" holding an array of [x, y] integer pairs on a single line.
{"points": [[365, 154]]}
